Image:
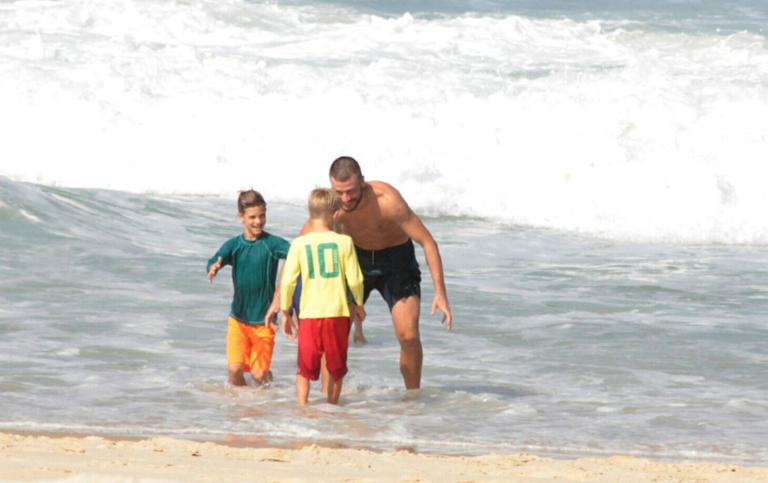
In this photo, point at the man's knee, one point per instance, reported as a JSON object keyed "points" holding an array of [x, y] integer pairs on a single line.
{"points": [[405, 317], [409, 337]]}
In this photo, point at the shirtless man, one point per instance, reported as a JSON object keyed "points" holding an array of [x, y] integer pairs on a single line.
{"points": [[383, 229]]}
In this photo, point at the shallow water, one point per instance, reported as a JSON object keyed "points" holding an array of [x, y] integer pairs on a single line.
{"points": [[563, 344]]}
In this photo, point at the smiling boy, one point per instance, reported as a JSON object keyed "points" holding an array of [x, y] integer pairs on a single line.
{"points": [[254, 256]]}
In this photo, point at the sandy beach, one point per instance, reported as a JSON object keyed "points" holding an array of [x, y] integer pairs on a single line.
{"points": [[25, 457]]}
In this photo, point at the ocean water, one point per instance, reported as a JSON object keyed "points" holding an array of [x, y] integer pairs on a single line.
{"points": [[593, 173]]}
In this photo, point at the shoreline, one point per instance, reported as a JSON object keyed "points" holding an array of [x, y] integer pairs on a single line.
{"points": [[262, 442], [29, 456]]}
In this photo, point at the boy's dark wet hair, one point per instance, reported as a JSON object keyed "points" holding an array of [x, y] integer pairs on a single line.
{"points": [[344, 168], [249, 199]]}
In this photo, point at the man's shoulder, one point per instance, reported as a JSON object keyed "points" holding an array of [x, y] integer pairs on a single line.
{"points": [[389, 200], [382, 188]]}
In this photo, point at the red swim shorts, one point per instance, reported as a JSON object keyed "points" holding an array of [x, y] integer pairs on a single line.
{"points": [[329, 336]]}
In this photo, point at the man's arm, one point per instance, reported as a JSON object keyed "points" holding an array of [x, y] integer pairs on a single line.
{"points": [[412, 225]]}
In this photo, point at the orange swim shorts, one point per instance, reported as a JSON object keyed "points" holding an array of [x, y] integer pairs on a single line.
{"points": [[249, 345]]}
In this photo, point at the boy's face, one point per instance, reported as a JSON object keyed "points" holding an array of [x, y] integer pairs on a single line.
{"points": [[253, 220]]}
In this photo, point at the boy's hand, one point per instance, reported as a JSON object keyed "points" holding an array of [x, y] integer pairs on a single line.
{"points": [[272, 311], [214, 269], [289, 327], [271, 321], [357, 313]]}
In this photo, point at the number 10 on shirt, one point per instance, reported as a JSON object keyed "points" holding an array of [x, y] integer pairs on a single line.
{"points": [[322, 258]]}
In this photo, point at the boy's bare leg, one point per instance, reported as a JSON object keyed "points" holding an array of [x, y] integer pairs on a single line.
{"points": [[334, 390], [302, 389], [261, 377], [405, 319], [358, 337], [325, 376], [236, 377]]}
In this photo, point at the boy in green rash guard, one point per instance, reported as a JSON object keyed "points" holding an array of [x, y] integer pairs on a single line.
{"points": [[254, 257]]}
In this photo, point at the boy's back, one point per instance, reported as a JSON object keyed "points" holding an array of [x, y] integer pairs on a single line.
{"points": [[328, 265]]}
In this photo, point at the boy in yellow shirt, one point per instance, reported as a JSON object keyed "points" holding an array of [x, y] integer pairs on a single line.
{"points": [[328, 266]]}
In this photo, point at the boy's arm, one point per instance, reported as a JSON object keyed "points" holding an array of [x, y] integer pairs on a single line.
{"points": [[290, 271], [274, 307], [354, 277], [353, 274], [221, 258], [280, 251]]}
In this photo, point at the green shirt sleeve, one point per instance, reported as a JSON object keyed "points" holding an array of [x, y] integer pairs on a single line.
{"points": [[281, 248], [225, 252]]}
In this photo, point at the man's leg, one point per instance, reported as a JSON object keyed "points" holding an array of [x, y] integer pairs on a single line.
{"points": [[405, 320]]}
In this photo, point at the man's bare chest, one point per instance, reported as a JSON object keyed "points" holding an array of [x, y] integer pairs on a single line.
{"points": [[371, 230]]}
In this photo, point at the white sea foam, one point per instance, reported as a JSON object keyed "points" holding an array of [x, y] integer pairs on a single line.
{"points": [[29, 216], [604, 128]]}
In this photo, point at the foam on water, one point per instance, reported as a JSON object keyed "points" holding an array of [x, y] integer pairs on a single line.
{"points": [[607, 127]]}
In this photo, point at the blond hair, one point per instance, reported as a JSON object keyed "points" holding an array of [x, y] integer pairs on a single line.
{"points": [[322, 202]]}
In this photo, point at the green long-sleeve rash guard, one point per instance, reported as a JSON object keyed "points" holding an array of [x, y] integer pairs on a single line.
{"points": [[254, 269]]}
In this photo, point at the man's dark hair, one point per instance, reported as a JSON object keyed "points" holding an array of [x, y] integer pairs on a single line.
{"points": [[249, 199], [344, 168]]}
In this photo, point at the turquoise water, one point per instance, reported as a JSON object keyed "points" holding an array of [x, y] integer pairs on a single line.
{"points": [[563, 344]]}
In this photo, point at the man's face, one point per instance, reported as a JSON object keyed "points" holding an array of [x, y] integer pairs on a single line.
{"points": [[349, 192]]}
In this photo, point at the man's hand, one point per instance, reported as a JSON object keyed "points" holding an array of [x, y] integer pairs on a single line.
{"points": [[441, 302], [214, 269]]}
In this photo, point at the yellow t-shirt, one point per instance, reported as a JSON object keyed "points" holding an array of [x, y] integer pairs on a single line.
{"points": [[328, 265]]}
